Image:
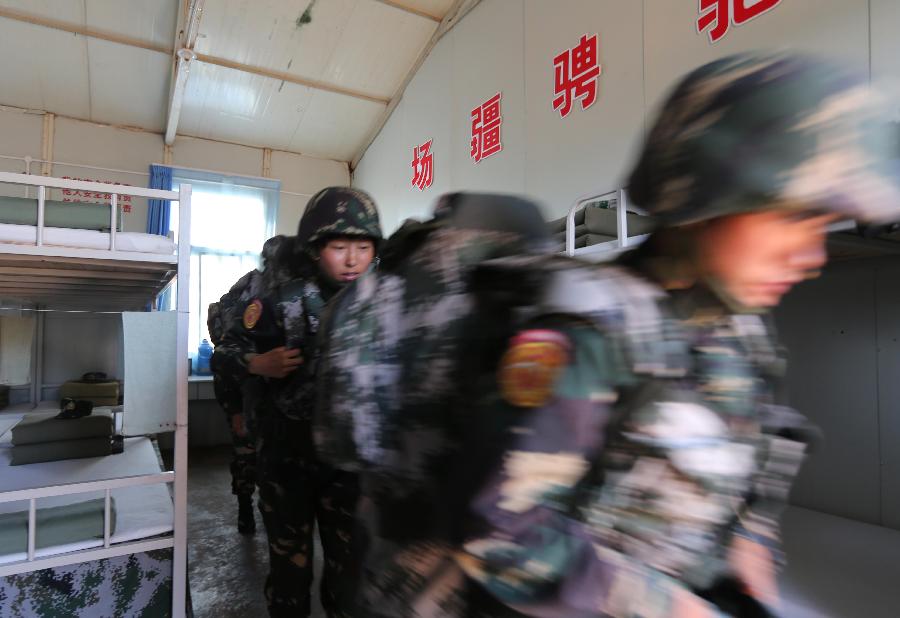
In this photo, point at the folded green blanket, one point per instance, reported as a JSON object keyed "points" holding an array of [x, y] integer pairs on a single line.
{"points": [[56, 525], [78, 215], [40, 428], [63, 449]]}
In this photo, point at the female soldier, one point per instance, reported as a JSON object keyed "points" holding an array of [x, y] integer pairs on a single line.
{"points": [[337, 240]]}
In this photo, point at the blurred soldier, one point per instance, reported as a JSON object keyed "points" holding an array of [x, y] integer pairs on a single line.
{"points": [[394, 349], [638, 453], [239, 398], [337, 239]]}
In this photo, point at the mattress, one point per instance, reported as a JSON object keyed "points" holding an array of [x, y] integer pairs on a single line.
{"points": [[141, 512], [87, 239], [80, 215]]}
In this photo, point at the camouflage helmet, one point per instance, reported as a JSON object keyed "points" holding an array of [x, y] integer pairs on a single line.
{"points": [[754, 131], [338, 211]]}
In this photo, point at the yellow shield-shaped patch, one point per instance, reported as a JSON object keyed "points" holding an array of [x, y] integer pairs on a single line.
{"points": [[252, 314], [531, 366]]}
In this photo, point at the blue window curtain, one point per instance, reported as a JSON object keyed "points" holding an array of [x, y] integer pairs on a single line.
{"points": [[158, 211]]}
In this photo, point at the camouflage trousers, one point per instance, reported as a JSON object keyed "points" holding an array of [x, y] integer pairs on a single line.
{"points": [[243, 447], [243, 464], [296, 495]]}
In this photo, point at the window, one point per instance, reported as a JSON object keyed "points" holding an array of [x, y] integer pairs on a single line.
{"points": [[231, 218]]}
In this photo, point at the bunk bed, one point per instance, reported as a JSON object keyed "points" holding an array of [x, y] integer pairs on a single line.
{"points": [[599, 226], [103, 525]]}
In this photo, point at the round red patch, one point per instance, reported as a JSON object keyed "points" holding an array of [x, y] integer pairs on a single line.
{"points": [[531, 366]]}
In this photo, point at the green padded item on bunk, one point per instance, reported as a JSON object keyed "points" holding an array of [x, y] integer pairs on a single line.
{"points": [[99, 393], [56, 525], [605, 221], [59, 450], [580, 230], [77, 215], [559, 225], [40, 428], [596, 239]]}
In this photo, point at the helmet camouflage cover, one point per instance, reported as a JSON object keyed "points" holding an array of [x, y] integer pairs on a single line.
{"points": [[339, 211], [752, 132]]}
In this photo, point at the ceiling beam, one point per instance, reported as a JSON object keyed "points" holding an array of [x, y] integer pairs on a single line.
{"points": [[113, 37], [94, 33], [406, 8], [183, 59], [459, 10], [294, 79]]}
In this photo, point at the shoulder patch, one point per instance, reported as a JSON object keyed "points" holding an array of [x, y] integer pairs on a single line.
{"points": [[252, 314], [531, 365]]}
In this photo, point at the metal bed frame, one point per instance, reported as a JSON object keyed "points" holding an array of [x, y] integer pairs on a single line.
{"points": [[88, 277]]}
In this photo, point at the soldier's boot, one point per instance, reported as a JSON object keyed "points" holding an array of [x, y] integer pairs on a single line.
{"points": [[246, 523]]}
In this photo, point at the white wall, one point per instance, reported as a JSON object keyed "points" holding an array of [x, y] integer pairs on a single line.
{"points": [[87, 150], [645, 47], [842, 332]]}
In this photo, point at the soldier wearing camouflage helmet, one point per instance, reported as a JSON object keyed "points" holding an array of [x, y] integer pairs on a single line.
{"points": [[337, 240], [237, 393], [652, 455], [625, 452]]}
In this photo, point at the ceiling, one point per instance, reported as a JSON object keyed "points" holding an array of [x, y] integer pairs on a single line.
{"points": [[316, 77]]}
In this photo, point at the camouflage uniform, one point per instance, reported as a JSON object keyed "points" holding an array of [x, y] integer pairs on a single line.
{"points": [[296, 491], [392, 419], [625, 431], [235, 395]]}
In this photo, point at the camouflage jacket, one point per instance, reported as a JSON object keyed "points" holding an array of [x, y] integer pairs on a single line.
{"points": [[617, 483], [627, 472], [390, 390]]}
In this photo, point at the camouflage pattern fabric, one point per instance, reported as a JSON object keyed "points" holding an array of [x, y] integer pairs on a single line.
{"points": [[660, 441], [296, 496], [390, 385], [754, 131], [296, 490], [132, 585], [339, 211]]}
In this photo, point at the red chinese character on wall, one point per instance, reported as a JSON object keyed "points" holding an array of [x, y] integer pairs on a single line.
{"points": [[486, 121], [423, 166], [725, 13], [576, 72]]}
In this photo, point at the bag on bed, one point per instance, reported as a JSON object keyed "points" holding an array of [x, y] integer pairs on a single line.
{"points": [[40, 428], [57, 451], [99, 393]]}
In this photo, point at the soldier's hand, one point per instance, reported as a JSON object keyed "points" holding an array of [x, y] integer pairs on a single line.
{"points": [[238, 427], [276, 363], [688, 605], [752, 563]]}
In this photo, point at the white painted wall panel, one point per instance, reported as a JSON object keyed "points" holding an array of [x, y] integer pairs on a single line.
{"points": [[216, 156], [335, 125], [147, 20], [21, 133], [241, 107], [129, 86], [306, 175], [126, 155], [589, 150], [887, 300], [673, 47], [487, 59], [48, 68], [829, 328], [290, 209], [75, 343], [386, 174], [376, 60], [885, 42]]}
